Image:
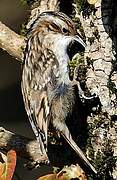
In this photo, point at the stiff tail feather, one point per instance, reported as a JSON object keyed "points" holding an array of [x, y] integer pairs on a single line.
{"points": [[66, 134]]}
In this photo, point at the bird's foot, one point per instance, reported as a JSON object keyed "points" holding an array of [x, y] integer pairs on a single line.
{"points": [[81, 92]]}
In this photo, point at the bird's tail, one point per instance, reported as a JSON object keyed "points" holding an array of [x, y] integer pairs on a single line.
{"points": [[66, 134]]}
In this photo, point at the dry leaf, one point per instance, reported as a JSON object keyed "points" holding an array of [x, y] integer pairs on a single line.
{"points": [[73, 171], [67, 173], [49, 177], [2, 169], [7, 165]]}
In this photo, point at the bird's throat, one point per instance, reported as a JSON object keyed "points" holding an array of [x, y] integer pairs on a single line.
{"points": [[63, 60]]}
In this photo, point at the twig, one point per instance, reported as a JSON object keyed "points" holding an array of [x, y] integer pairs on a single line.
{"points": [[11, 42], [24, 147]]}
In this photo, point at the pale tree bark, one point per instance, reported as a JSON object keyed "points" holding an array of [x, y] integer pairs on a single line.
{"points": [[99, 23], [11, 42]]}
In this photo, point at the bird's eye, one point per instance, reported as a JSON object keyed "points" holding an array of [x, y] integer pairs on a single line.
{"points": [[66, 31]]}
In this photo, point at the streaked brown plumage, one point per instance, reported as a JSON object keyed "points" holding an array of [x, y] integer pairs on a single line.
{"points": [[47, 90]]}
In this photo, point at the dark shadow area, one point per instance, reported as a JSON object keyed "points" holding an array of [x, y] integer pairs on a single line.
{"points": [[109, 18], [12, 113], [66, 7]]}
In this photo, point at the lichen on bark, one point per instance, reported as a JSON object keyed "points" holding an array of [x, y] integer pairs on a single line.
{"points": [[101, 78]]}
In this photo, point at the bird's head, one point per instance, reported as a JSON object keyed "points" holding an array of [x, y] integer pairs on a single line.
{"points": [[57, 32]]}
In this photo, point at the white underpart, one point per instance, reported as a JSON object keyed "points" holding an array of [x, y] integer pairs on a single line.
{"points": [[60, 50], [59, 44]]}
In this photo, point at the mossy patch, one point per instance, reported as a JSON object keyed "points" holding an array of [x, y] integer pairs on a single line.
{"points": [[28, 2], [78, 67], [104, 160], [23, 29], [85, 7]]}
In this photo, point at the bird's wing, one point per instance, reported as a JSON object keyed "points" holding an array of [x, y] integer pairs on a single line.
{"points": [[35, 108], [35, 79]]}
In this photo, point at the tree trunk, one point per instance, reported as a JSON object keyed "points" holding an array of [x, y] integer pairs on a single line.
{"points": [[99, 24]]}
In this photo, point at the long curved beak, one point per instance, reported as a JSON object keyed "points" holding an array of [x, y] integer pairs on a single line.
{"points": [[79, 39]]}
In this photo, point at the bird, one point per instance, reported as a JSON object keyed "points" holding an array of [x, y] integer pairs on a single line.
{"points": [[48, 92]]}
